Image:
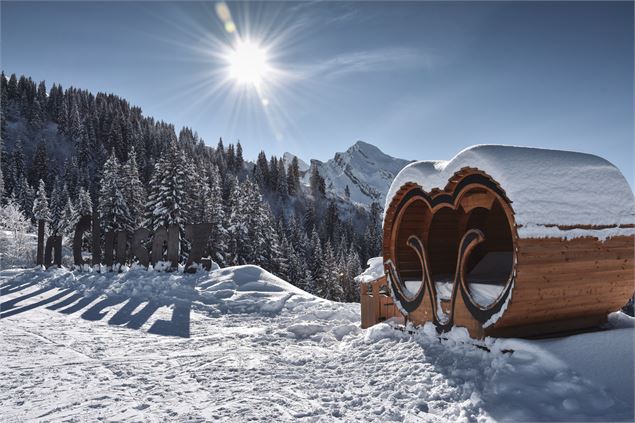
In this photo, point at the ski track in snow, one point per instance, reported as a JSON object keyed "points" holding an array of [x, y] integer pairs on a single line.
{"points": [[290, 357]]}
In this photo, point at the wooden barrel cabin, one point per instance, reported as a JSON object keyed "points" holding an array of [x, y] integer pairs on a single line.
{"points": [[509, 241]]}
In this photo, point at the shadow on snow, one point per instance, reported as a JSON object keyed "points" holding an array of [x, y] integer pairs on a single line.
{"points": [[68, 301]]}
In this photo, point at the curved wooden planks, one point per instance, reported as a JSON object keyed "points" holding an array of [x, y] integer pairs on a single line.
{"points": [[554, 284]]}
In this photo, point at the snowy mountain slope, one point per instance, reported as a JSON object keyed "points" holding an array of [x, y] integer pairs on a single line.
{"points": [[288, 158], [152, 346], [364, 168]]}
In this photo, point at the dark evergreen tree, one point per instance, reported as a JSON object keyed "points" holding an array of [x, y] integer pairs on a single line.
{"points": [[39, 168], [373, 234], [318, 188], [240, 161], [281, 183], [231, 158], [261, 171], [12, 87]]}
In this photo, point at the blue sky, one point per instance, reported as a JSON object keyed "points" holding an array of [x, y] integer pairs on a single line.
{"points": [[420, 80]]}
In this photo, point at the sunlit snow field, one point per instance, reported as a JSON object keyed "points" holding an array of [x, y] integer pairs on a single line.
{"points": [[239, 344]]}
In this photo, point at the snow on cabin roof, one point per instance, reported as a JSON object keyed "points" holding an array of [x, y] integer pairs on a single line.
{"points": [[546, 187]]}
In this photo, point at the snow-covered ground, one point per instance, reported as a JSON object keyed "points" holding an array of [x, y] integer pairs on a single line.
{"points": [[239, 344]]}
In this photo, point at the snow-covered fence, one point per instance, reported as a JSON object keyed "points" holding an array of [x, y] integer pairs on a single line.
{"points": [[510, 241]]}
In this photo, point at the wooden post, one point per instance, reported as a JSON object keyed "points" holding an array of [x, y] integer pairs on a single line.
{"points": [[159, 239], [82, 226], [137, 249], [198, 236], [53, 244], [174, 244], [121, 247], [40, 242], [96, 240], [109, 246]]}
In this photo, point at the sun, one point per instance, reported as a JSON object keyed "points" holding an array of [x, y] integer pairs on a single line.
{"points": [[248, 63]]}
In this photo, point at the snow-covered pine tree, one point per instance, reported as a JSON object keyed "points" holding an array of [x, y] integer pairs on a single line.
{"points": [[24, 196], [220, 150], [215, 216], [59, 198], [76, 128], [240, 161], [62, 117], [2, 146], [281, 184], [283, 263], [314, 258], [115, 137], [132, 189], [35, 117], [273, 174], [1, 182], [237, 237], [255, 221], [328, 281], [67, 224], [373, 234], [231, 157], [83, 205], [261, 171], [41, 93], [310, 218], [114, 213], [297, 270], [266, 238], [353, 269], [41, 209], [169, 197], [14, 250]]}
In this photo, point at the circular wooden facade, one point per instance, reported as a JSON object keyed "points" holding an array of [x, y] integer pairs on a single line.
{"points": [[453, 256]]}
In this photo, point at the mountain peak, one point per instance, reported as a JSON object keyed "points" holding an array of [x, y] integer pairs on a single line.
{"points": [[288, 158], [364, 169], [364, 147]]}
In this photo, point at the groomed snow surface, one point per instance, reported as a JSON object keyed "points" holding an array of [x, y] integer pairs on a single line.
{"points": [[239, 344]]}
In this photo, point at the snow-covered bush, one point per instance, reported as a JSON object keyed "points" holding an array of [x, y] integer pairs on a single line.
{"points": [[17, 245]]}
